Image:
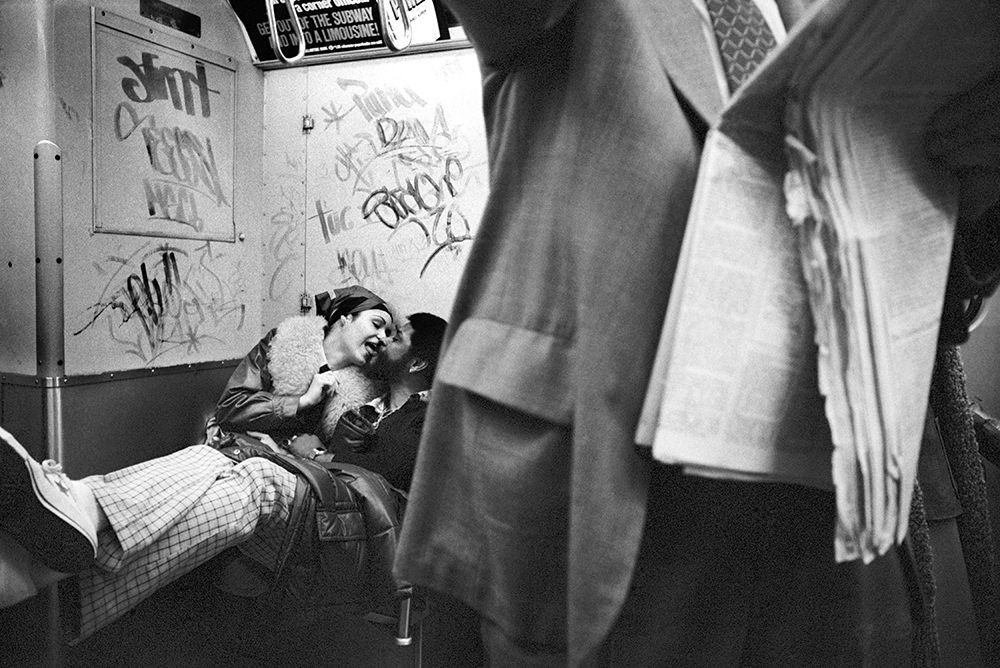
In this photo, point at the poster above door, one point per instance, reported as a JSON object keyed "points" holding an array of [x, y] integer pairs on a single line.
{"points": [[333, 30]]}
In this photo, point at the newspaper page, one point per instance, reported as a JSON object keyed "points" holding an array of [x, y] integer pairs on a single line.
{"points": [[879, 235], [742, 366], [852, 264]]}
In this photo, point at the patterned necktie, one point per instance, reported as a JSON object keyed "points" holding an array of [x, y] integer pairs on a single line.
{"points": [[743, 35]]}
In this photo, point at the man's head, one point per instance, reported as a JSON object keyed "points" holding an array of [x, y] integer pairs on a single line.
{"points": [[414, 349]]}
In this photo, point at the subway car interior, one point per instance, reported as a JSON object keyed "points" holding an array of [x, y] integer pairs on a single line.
{"points": [[179, 177], [244, 217]]}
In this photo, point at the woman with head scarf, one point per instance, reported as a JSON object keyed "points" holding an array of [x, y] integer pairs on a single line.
{"points": [[304, 373]]}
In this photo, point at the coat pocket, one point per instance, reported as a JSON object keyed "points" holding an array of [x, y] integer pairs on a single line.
{"points": [[524, 369]]}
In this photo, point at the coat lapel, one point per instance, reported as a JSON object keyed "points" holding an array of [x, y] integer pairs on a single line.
{"points": [[679, 38], [792, 10]]}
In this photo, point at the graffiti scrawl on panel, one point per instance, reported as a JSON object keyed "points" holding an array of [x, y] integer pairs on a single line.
{"points": [[163, 299], [406, 171], [164, 135]]}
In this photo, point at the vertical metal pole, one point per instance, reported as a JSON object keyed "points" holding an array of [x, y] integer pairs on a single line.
{"points": [[49, 326], [48, 269], [49, 318], [403, 635], [419, 658], [49, 259]]}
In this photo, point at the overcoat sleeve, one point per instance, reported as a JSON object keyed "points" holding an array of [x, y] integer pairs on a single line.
{"points": [[502, 30], [974, 272]]}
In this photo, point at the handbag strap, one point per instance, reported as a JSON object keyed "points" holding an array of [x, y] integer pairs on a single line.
{"points": [[332, 494], [302, 508]]}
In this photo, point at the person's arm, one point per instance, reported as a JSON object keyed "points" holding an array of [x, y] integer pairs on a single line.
{"points": [[247, 403], [394, 453], [502, 30], [964, 136]]}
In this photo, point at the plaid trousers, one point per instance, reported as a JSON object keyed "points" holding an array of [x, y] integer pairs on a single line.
{"points": [[172, 514]]}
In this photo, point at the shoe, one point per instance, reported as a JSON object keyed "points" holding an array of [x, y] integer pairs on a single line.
{"points": [[39, 512]]}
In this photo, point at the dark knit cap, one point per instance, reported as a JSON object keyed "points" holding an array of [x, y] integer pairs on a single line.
{"points": [[348, 301]]}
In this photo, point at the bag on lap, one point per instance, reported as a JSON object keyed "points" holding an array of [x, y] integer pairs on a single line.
{"points": [[341, 541]]}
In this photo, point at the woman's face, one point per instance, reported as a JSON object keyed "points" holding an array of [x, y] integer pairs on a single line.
{"points": [[364, 335]]}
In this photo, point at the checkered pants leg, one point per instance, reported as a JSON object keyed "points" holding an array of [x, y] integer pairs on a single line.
{"points": [[172, 514]]}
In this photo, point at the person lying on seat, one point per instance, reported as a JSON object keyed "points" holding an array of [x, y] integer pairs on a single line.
{"points": [[130, 532]]}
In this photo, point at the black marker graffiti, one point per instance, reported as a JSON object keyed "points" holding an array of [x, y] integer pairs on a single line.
{"points": [[420, 198], [376, 102], [154, 82], [419, 194], [162, 308], [410, 174], [147, 299], [364, 265], [352, 161], [413, 143], [68, 109], [403, 142], [334, 115], [332, 223], [166, 201], [283, 244], [187, 163]]}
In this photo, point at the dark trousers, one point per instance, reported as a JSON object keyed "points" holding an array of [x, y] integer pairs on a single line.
{"points": [[734, 574], [743, 574]]}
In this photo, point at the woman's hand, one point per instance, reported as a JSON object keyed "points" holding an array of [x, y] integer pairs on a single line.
{"points": [[964, 136], [317, 389]]}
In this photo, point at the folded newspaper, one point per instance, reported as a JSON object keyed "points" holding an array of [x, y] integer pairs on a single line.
{"points": [[800, 337]]}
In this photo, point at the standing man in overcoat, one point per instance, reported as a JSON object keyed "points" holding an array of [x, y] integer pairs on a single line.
{"points": [[530, 496]]}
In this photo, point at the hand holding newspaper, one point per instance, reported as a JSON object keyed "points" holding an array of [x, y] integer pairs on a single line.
{"points": [[800, 337]]}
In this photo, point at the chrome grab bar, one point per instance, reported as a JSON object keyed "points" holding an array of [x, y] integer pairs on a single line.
{"points": [[273, 36], [396, 31], [393, 17]]}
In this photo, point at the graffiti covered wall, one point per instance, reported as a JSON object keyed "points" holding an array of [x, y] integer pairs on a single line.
{"points": [[161, 182], [163, 139], [391, 182]]}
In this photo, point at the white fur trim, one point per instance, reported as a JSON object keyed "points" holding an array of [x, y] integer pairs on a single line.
{"points": [[296, 353]]}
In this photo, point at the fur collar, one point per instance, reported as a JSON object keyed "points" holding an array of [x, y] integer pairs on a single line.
{"points": [[296, 352]]}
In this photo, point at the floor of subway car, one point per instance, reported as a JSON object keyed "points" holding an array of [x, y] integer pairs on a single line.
{"points": [[192, 624]]}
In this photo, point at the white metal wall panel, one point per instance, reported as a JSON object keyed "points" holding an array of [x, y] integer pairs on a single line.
{"points": [[391, 180]]}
